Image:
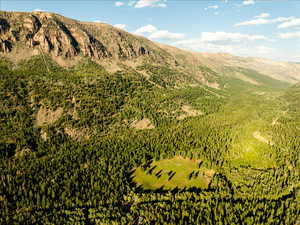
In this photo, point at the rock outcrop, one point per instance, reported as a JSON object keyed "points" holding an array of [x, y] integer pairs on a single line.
{"points": [[60, 36]]}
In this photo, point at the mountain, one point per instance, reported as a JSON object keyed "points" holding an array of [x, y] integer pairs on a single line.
{"points": [[99, 126], [23, 35]]}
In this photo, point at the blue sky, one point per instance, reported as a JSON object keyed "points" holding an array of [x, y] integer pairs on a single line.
{"points": [[259, 28]]}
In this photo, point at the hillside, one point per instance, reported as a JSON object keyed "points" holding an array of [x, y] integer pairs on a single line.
{"points": [[67, 41], [99, 126]]}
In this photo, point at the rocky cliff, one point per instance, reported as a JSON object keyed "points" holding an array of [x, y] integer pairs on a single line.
{"points": [[60, 36]]}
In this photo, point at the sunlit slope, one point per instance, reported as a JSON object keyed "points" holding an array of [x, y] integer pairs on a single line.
{"points": [[68, 41], [71, 138]]}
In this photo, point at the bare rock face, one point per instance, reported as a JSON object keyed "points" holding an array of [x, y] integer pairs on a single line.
{"points": [[54, 34]]}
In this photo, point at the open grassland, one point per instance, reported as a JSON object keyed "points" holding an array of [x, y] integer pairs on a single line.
{"points": [[169, 174]]}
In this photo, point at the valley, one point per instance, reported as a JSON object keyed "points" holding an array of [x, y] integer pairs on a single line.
{"points": [[155, 135], [61, 147]]}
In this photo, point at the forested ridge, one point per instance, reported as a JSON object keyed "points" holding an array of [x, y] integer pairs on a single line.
{"points": [[70, 146]]}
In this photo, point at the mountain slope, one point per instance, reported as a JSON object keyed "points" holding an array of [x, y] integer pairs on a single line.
{"points": [[216, 141], [67, 41], [65, 37]]}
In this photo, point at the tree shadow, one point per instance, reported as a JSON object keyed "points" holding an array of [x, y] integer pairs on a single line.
{"points": [[171, 176], [151, 170]]}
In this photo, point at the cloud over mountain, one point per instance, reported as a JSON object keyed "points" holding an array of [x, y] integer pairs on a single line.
{"points": [[146, 29], [164, 34], [120, 26], [233, 37], [158, 34]]}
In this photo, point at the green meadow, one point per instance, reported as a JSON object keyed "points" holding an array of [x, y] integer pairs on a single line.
{"points": [[177, 172]]}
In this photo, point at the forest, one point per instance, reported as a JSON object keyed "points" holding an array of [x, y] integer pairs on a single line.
{"points": [[82, 145]]}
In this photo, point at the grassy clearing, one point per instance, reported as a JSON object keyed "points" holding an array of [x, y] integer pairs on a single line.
{"points": [[250, 151], [177, 172]]}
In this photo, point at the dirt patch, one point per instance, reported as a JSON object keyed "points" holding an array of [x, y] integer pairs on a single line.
{"points": [[77, 134], [189, 112], [260, 138], [214, 85], [108, 65], [44, 135], [142, 124], [47, 116], [65, 62], [208, 176]]}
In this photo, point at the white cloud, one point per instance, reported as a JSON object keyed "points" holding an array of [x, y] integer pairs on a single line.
{"points": [[213, 7], [252, 22], [99, 21], [38, 10], [164, 34], [236, 49], [260, 21], [263, 15], [150, 3], [146, 29], [120, 26], [263, 50], [118, 4], [233, 43], [248, 2], [290, 35], [229, 37], [158, 34], [131, 3], [198, 45], [292, 23]]}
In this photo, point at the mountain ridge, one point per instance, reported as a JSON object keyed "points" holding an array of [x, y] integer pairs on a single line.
{"points": [[24, 34]]}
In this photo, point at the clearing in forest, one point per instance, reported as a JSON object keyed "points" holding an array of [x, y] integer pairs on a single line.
{"points": [[142, 124], [177, 172], [188, 112], [251, 148], [47, 116]]}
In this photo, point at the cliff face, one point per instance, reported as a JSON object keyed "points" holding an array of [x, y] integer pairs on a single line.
{"points": [[55, 34]]}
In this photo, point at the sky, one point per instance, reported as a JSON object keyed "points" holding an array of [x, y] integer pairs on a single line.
{"points": [[255, 28]]}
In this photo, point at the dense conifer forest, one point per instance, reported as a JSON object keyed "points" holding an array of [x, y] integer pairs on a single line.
{"points": [[73, 149]]}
